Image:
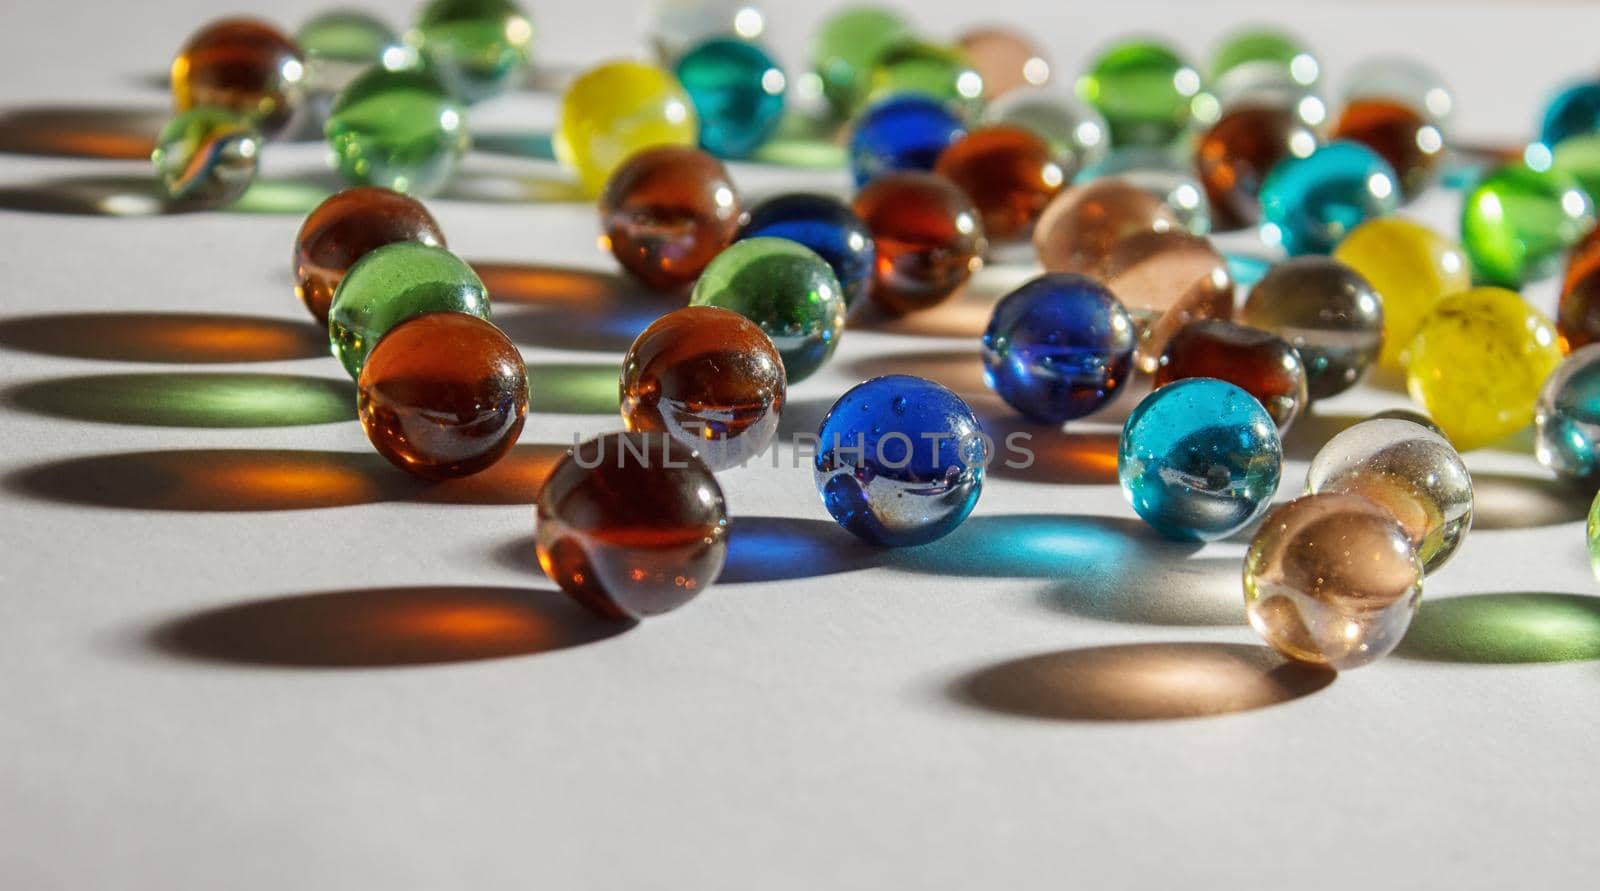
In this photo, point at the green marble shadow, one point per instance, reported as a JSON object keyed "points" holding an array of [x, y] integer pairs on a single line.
{"points": [[1505, 628], [573, 389], [202, 399]]}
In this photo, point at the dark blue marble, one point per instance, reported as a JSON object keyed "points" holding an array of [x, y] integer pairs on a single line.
{"points": [[826, 225], [904, 132], [1058, 347]]}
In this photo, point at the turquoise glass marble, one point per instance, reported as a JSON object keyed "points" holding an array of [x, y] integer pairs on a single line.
{"points": [[927, 69], [339, 45], [1309, 204], [737, 91], [900, 461], [1567, 419], [1147, 92], [1164, 173], [480, 47], [397, 129], [786, 289], [207, 156], [844, 50], [1574, 111], [824, 224], [901, 133], [1059, 347], [1199, 459], [1076, 132], [1517, 223], [392, 284]]}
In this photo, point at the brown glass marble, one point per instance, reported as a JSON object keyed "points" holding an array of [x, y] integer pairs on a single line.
{"points": [[1578, 314], [928, 237], [443, 395], [1005, 59], [708, 377], [1081, 225], [343, 229], [1260, 363], [1167, 280], [244, 65], [1400, 135], [1328, 312], [1237, 153], [631, 525], [1008, 173], [667, 211]]}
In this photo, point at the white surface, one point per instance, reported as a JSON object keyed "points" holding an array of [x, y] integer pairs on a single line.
{"points": [[791, 733]]}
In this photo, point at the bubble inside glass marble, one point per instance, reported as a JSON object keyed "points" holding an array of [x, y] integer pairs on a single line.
{"points": [[207, 157], [1567, 419], [786, 289], [1058, 347]]}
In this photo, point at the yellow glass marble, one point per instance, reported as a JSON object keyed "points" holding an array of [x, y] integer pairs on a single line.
{"points": [[615, 109], [1411, 267], [1477, 364]]}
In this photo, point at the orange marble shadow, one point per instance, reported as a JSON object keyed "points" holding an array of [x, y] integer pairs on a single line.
{"points": [[127, 134], [573, 309], [164, 337]]}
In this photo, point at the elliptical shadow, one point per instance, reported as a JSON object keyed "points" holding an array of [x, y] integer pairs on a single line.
{"points": [[1505, 628], [177, 338]]}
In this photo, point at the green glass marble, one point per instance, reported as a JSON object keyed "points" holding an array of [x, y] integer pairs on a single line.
{"points": [[392, 284], [1594, 536], [1259, 50], [207, 156], [1517, 222], [339, 45], [397, 129], [928, 69], [1147, 92], [845, 48], [785, 288], [1579, 157], [481, 47]]}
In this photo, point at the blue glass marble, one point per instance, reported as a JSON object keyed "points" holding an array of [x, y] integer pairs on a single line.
{"points": [[737, 90], [1309, 204], [902, 132], [1199, 459], [826, 225], [1058, 347], [900, 460], [1574, 111], [1567, 419]]}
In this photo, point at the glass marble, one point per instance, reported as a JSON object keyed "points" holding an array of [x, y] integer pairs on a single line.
{"points": [[443, 395], [1517, 222], [1008, 173], [1408, 470], [900, 460], [1332, 580], [391, 284], [1234, 157], [1081, 226], [787, 290], [1309, 204], [1410, 417], [1477, 364], [846, 47], [1058, 347], [480, 47], [397, 129], [1146, 91], [340, 44], [1258, 362], [676, 26], [1005, 59], [1199, 459], [928, 238], [1244, 55], [348, 226], [631, 525], [207, 157], [1405, 80], [917, 67], [1579, 158], [1167, 174], [244, 65], [826, 225], [666, 212], [900, 133], [1592, 530], [1575, 111], [737, 91], [1567, 419], [1400, 134], [1578, 313], [1411, 267], [616, 109], [1167, 280], [1077, 134], [1331, 315]]}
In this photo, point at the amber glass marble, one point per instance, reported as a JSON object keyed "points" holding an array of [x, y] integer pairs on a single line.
{"points": [[243, 65], [708, 377], [631, 525], [1328, 311], [1400, 134], [1578, 315], [1008, 173], [1167, 280], [928, 237], [667, 211], [1237, 153], [443, 395], [1005, 59], [1080, 226], [343, 229], [1257, 362]]}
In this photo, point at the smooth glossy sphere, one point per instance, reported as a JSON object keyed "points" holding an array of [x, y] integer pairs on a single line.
{"points": [[1332, 580], [676, 26], [1410, 417], [1478, 362], [207, 157], [826, 225], [900, 461], [616, 109], [927, 236], [1575, 111], [786, 289], [1008, 173], [1146, 91], [480, 47], [1165, 173], [1592, 530], [1257, 362], [340, 44], [1567, 419], [1199, 459], [709, 378], [1079, 229], [1167, 280], [1005, 59], [940, 72], [737, 91], [1234, 157], [1058, 347], [1411, 267], [1253, 54], [1076, 132], [1309, 204], [631, 525], [391, 284], [846, 46], [443, 395], [348, 226], [1517, 222], [1402, 79], [1579, 157], [666, 212], [397, 129], [901, 133], [1328, 312], [1400, 134], [1409, 471], [1578, 314], [244, 65]]}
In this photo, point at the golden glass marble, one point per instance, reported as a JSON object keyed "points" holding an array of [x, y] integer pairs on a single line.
{"points": [[615, 109], [1411, 267], [244, 65]]}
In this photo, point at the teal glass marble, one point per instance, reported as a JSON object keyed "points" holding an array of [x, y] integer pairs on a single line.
{"points": [[1147, 92], [1309, 204], [397, 129], [844, 50], [1567, 419], [340, 44], [1076, 132], [207, 156], [826, 225], [901, 133], [900, 461], [1518, 222], [480, 47], [1199, 459], [1058, 347], [786, 289], [392, 284], [737, 91], [1575, 111]]}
